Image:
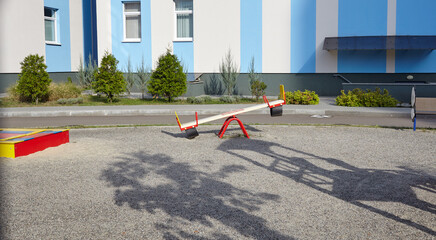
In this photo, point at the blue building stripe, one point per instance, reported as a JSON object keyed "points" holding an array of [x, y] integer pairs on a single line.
{"points": [[185, 53], [303, 36], [251, 34], [362, 18], [415, 18], [58, 57], [89, 14], [136, 51]]}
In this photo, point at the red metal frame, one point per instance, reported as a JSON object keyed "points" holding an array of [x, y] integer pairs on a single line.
{"points": [[226, 124], [186, 128], [272, 106]]}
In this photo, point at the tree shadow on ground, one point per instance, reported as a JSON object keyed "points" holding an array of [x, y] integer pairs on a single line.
{"points": [[156, 183], [345, 182]]}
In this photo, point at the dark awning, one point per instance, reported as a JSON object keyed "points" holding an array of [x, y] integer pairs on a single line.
{"points": [[380, 43]]}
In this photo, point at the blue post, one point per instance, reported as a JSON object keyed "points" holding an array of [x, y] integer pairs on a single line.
{"points": [[414, 124]]}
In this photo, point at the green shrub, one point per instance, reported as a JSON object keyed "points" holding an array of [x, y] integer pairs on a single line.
{"points": [[303, 98], [108, 79], [257, 87], [228, 99], [63, 90], [33, 80], [70, 101], [359, 98], [13, 92], [206, 99], [199, 100]]}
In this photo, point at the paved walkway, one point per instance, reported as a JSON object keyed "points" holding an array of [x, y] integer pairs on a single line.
{"points": [[325, 107]]}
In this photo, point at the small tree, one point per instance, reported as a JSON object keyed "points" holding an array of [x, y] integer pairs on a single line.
{"points": [[229, 72], [168, 79], [108, 79], [143, 77], [34, 81], [130, 77], [257, 87]]}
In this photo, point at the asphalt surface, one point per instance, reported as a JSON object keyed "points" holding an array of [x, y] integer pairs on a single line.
{"points": [[247, 119], [285, 182]]}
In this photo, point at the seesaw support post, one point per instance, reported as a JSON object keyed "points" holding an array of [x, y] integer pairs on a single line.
{"points": [[226, 124]]}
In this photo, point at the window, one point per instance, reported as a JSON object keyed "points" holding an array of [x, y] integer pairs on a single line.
{"points": [[132, 21], [50, 25], [184, 20]]}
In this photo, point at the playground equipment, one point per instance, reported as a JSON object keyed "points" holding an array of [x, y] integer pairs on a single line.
{"points": [[20, 142], [274, 106]]}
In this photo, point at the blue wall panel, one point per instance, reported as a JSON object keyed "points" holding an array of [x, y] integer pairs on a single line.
{"points": [[251, 34], [58, 57], [362, 18], [185, 53], [415, 18], [303, 36], [136, 51], [89, 30]]}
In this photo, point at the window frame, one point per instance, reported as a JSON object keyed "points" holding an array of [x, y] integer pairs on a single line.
{"points": [[183, 12], [125, 15], [55, 24]]}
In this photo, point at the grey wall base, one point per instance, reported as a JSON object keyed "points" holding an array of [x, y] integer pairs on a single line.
{"points": [[324, 84]]}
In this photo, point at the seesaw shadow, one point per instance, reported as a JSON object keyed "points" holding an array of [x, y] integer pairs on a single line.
{"points": [[232, 129]]}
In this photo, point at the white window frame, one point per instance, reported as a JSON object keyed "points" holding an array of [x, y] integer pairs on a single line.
{"points": [[54, 19], [125, 14], [182, 12]]}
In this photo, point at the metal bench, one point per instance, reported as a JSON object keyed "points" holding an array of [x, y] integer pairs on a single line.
{"points": [[421, 106]]}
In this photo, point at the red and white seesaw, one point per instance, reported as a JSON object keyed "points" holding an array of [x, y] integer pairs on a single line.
{"points": [[274, 106]]}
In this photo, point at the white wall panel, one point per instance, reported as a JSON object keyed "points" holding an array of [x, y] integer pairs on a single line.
{"points": [[21, 32], [276, 37], [216, 30], [162, 27], [104, 37], [326, 26], [76, 33]]}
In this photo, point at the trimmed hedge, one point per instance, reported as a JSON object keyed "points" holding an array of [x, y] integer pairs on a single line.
{"points": [[302, 98], [360, 98]]}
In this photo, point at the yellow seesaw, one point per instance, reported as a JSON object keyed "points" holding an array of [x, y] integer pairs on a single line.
{"points": [[274, 106]]}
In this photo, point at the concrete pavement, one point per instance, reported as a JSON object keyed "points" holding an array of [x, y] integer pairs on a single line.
{"points": [[325, 107]]}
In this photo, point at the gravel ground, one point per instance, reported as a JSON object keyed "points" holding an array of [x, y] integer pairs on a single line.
{"points": [[286, 182]]}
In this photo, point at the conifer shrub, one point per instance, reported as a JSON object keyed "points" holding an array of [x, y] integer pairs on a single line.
{"points": [[257, 87], [360, 98], [229, 72], [302, 98], [108, 79], [85, 73], [168, 80], [34, 81]]}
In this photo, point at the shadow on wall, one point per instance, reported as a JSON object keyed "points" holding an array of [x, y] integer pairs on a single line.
{"points": [[157, 183], [352, 185]]}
